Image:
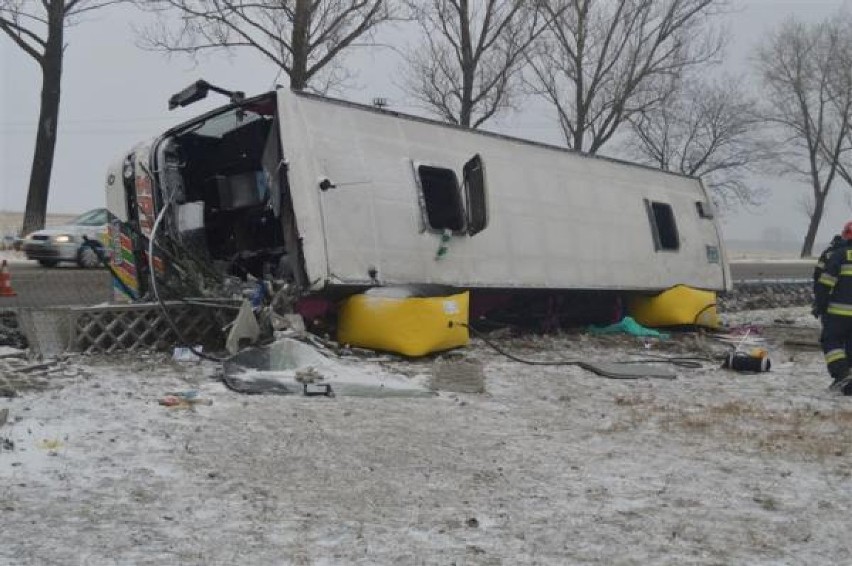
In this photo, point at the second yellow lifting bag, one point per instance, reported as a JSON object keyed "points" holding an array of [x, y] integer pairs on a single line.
{"points": [[678, 306]]}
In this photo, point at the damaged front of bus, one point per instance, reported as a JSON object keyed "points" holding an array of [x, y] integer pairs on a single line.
{"points": [[205, 206]]}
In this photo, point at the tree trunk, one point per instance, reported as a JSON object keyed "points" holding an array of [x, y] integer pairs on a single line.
{"points": [[468, 67], [813, 226], [45, 145], [466, 109], [301, 27], [580, 81]]}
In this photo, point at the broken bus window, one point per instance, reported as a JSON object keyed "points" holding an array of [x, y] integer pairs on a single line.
{"points": [[663, 226], [443, 202]]}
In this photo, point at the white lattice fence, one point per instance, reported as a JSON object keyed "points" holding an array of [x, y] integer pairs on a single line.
{"points": [[114, 328]]}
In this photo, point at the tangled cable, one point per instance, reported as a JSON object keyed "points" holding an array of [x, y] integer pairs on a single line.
{"points": [[692, 362]]}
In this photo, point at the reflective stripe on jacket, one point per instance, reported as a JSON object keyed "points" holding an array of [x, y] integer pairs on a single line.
{"points": [[834, 355], [840, 309]]}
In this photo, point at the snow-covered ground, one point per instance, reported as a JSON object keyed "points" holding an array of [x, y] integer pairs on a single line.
{"points": [[552, 465]]}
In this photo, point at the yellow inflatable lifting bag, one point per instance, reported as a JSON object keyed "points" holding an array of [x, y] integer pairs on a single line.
{"points": [[678, 306], [412, 326]]}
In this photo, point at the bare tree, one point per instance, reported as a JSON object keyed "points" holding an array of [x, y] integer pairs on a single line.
{"points": [[841, 87], [707, 130], [602, 61], [466, 70], [301, 37], [808, 98], [38, 28]]}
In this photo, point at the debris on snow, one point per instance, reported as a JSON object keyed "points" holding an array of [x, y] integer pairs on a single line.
{"points": [[287, 366]]}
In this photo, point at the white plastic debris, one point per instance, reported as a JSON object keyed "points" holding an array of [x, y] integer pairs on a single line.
{"points": [[245, 330], [185, 354]]}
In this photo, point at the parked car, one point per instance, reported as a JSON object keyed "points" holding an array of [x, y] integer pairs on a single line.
{"points": [[65, 243]]}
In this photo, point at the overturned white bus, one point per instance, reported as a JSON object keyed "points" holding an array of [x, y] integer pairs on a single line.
{"points": [[333, 197]]}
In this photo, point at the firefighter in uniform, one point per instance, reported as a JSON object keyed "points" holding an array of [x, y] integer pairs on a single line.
{"points": [[835, 243], [833, 303]]}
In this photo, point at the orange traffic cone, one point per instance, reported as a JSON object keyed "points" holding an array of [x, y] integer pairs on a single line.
{"points": [[6, 281]]}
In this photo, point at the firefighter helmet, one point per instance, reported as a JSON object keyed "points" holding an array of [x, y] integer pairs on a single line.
{"points": [[846, 234]]}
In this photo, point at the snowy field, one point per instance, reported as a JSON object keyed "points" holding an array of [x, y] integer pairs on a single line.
{"points": [[552, 465]]}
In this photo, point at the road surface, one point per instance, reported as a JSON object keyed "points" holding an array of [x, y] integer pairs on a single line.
{"points": [[38, 286]]}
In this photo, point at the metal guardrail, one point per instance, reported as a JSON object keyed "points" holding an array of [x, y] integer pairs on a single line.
{"points": [[773, 281]]}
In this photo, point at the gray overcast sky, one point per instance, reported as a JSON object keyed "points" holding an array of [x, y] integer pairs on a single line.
{"points": [[115, 94]]}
